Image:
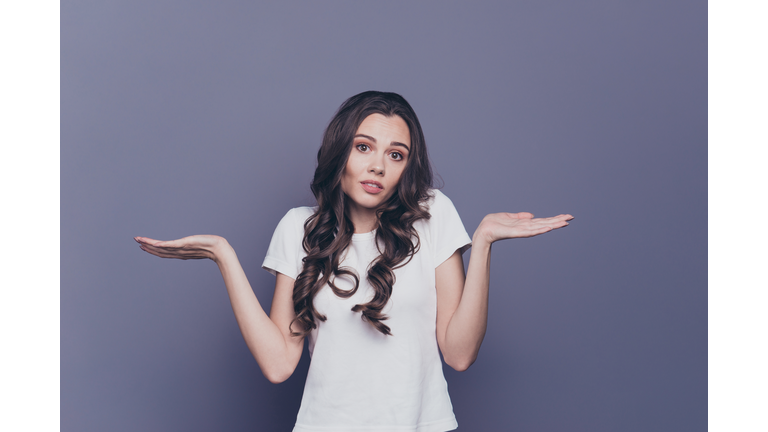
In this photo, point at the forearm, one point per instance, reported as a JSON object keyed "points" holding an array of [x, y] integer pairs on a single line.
{"points": [[466, 329], [276, 356]]}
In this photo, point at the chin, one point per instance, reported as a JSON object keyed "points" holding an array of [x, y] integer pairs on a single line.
{"points": [[370, 204], [367, 202]]}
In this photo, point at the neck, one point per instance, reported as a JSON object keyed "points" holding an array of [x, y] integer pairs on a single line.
{"points": [[364, 220]]}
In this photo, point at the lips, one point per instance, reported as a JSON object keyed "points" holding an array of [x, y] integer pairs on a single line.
{"points": [[371, 186]]}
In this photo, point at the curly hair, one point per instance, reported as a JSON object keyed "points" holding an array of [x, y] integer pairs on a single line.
{"points": [[328, 232]]}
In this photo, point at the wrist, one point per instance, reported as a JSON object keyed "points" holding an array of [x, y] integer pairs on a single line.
{"points": [[481, 237], [220, 249], [480, 240]]}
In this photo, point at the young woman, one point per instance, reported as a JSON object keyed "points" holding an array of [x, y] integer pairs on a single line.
{"points": [[373, 276]]}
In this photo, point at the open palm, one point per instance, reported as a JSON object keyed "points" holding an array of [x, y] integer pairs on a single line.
{"points": [[500, 226], [192, 247]]}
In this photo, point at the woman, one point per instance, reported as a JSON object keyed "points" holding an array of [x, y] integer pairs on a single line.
{"points": [[373, 276]]}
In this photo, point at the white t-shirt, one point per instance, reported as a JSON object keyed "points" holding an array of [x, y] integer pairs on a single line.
{"points": [[360, 379]]}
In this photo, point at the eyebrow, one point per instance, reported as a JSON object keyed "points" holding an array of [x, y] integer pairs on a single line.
{"points": [[394, 143]]}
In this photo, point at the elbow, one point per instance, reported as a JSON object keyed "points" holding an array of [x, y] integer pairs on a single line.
{"points": [[278, 375], [276, 379], [461, 367], [461, 364]]}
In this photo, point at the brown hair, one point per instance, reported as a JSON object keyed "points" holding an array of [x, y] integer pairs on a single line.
{"points": [[328, 232]]}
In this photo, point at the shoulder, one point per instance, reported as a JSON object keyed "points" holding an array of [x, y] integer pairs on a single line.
{"points": [[285, 249], [440, 208], [438, 202], [293, 221], [444, 232], [300, 214]]}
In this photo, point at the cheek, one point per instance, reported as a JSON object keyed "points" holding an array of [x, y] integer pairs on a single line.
{"points": [[345, 177], [400, 170], [352, 160], [350, 173]]}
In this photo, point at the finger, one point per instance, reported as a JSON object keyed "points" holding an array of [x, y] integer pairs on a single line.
{"points": [[559, 224], [158, 252], [164, 253], [554, 219], [148, 241], [169, 244], [178, 244], [521, 215], [534, 231], [543, 221], [561, 221], [155, 252], [547, 225]]}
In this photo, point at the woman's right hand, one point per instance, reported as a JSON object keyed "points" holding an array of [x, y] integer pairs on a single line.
{"points": [[268, 336], [192, 247]]}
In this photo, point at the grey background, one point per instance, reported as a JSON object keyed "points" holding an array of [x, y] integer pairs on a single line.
{"points": [[189, 117]]}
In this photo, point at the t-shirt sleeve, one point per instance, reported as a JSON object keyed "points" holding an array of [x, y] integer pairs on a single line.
{"points": [[447, 230], [285, 251]]}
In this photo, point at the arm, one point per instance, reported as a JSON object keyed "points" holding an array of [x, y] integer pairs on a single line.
{"points": [[462, 304], [268, 337]]}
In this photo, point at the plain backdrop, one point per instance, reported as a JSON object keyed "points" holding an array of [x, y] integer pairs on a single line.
{"points": [[180, 118]]}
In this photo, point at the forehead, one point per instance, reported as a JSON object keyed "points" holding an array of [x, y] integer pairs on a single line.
{"points": [[392, 128]]}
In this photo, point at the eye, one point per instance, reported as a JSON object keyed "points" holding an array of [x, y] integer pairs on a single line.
{"points": [[396, 156], [362, 147]]}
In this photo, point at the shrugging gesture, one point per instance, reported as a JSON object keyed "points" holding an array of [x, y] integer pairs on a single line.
{"points": [[500, 226], [462, 304], [268, 337], [192, 247]]}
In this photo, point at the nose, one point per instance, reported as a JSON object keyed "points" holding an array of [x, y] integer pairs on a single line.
{"points": [[377, 168]]}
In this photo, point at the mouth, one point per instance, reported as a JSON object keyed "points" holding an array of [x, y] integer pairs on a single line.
{"points": [[372, 186]]}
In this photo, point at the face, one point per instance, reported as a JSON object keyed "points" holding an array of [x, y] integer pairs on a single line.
{"points": [[379, 154]]}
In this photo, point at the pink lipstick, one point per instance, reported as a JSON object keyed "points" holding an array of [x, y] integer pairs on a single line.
{"points": [[371, 186]]}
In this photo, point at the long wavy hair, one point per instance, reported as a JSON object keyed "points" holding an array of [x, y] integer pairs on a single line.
{"points": [[328, 232]]}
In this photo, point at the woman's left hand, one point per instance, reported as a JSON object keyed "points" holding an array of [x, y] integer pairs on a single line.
{"points": [[500, 226]]}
